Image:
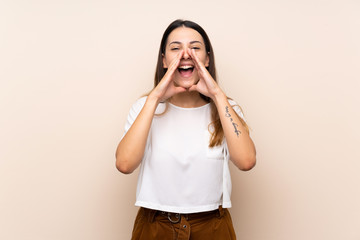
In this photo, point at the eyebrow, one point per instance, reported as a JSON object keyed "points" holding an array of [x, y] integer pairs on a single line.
{"points": [[177, 42]]}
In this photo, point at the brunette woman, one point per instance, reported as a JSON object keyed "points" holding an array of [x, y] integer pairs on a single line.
{"points": [[182, 135]]}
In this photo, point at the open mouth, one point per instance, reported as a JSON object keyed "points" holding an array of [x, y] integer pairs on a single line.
{"points": [[186, 70]]}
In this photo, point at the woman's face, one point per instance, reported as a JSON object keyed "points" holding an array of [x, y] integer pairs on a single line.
{"points": [[183, 38]]}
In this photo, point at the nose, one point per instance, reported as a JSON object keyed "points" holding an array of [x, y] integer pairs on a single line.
{"points": [[186, 54]]}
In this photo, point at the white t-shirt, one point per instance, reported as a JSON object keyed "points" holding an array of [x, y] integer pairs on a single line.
{"points": [[179, 172]]}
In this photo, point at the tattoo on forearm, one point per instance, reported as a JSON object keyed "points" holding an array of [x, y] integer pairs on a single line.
{"points": [[235, 125]]}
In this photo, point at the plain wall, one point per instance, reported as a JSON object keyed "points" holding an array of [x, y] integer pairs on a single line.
{"points": [[70, 70]]}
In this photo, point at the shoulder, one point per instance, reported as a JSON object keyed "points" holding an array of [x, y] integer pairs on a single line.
{"points": [[234, 105], [236, 108], [141, 101], [135, 109], [232, 102], [138, 104]]}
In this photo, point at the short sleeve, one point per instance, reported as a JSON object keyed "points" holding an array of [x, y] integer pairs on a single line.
{"points": [[237, 109], [133, 113]]}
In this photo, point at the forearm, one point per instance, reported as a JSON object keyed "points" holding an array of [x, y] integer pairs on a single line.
{"points": [[131, 148], [241, 147]]}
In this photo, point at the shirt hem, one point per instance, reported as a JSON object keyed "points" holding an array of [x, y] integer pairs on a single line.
{"points": [[183, 210]]}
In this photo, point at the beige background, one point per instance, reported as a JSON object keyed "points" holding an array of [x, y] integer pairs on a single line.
{"points": [[70, 71]]}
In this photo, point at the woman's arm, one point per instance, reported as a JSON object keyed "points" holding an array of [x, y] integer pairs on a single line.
{"points": [[131, 148], [241, 147]]}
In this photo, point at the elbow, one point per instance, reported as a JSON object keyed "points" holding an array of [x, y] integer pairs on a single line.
{"points": [[127, 163], [247, 163], [123, 167], [247, 167]]}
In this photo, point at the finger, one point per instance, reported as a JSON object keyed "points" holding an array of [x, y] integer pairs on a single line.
{"points": [[173, 66], [181, 54], [176, 61], [195, 57], [199, 65], [196, 60], [202, 70]]}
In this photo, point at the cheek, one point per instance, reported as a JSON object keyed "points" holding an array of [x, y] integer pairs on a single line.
{"points": [[203, 59], [167, 60], [202, 56]]}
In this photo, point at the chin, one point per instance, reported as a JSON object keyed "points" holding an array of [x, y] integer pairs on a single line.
{"points": [[185, 83]]}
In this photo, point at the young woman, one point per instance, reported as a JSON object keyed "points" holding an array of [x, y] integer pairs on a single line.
{"points": [[183, 134]]}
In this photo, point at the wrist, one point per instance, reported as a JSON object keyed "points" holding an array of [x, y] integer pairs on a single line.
{"points": [[152, 100], [219, 96]]}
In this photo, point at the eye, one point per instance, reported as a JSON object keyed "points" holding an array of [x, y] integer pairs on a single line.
{"points": [[196, 48], [175, 48]]}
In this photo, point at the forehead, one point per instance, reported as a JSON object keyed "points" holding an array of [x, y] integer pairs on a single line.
{"points": [[184, 35]]}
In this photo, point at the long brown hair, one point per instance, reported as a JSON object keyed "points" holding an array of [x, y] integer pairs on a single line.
{"points": [[217, 133]]}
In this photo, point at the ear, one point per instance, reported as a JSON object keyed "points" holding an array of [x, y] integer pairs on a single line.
{"points": [[164, 62], [207, 60]]}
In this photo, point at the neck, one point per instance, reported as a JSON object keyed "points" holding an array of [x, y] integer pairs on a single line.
{"points": [[187, 100]]}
